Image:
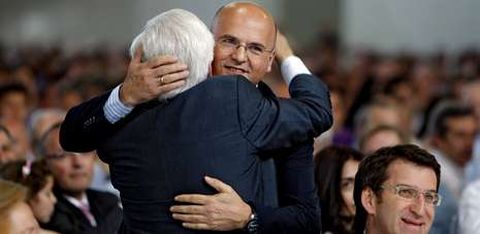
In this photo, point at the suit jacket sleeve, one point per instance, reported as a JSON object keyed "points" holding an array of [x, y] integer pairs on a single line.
{"points": [[85, 126], [299, 210], [270, 123]]}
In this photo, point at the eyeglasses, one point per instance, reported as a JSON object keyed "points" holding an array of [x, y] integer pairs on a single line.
{"points": [[410, 193], [232, 43]]}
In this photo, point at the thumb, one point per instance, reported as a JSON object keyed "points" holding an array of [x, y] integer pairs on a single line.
{"points": [[218, 185]]}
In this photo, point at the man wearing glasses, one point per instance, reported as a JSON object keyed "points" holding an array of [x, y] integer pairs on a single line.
{"points": [[396, 191], [78, 209]]}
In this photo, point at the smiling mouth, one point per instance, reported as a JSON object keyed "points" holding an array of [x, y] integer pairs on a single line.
{"points": [[236, 70], [414, 223]]}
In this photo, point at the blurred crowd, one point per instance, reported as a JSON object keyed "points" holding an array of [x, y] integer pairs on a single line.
{"points": [[379, 99]]}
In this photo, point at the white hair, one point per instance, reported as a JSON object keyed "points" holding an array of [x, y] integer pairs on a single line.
{"points": [[179, 33]]}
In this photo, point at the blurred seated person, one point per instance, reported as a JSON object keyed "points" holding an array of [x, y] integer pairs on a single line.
{"points": [[335, 169], [43, 119], [381, 136], [78, 209], [14, 109], [16, 217], [381, 112], [38, 180], [469, 209]]}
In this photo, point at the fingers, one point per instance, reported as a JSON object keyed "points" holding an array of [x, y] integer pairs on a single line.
{"points": [[160, 61], [190, 218], [197, 226], [193, 198], [169, 69], [188, 209], [170, 78], [218, 185], [165, 88], [137, 56]]}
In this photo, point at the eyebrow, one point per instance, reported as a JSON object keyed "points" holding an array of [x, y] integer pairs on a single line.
{"points": [[425, 190], [250, 43]]}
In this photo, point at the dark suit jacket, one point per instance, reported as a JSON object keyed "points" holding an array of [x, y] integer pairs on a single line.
{"points": [[69, 219], [216, 128]]}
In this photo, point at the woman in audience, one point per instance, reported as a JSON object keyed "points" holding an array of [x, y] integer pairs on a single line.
{"points": [[39, 182], [335, 168], [15, 215]]}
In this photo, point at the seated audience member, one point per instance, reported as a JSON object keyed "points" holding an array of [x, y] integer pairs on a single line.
{"points": [[15, 215], [78, 209], [14, 109], [379, 112], [38, 180], [469, 209], [396, 191], [452, 130], [6, 146], [335, 168], [381, 136], [43, 119]]}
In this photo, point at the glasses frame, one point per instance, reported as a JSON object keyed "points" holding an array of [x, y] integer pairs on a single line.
{"points": [[398, 188], [232, 43]]}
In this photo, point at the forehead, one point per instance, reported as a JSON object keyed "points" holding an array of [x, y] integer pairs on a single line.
{"points": [[247, 24], [408, 173], [467, 122]]}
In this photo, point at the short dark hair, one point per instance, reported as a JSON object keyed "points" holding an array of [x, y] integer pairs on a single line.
{"points": [[13, 87], [447, 110], [372, 173], [329, 163]]}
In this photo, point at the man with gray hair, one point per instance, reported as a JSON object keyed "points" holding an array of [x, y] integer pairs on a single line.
{"points": [[214, 127]]}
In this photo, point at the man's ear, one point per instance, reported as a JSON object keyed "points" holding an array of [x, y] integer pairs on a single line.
{"points": [[271, 57], [369, 200]]}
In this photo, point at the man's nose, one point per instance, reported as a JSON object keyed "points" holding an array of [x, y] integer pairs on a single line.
{"points": [[240, 53], [418, 205], [77, 160]]}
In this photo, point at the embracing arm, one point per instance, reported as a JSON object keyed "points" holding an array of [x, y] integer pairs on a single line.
{"points": [[298, 212], [87, 124]]}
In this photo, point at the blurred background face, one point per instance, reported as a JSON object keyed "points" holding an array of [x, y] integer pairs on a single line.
{"points": [[248, 24], [72, 172], [14, 106], [43, 203], [349, 170], [459, 139], [380, 139]]}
